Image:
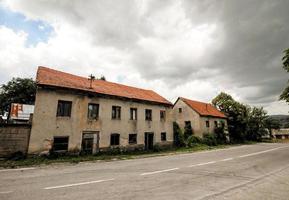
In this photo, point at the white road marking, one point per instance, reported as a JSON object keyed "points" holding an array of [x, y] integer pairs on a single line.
{"points": [[227, 159], [77, 184], [160, 171], [260, 152], [5, 192], [201, 164], [17, 169]]}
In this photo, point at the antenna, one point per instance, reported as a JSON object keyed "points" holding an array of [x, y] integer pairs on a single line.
{"points": [[91, 78]]}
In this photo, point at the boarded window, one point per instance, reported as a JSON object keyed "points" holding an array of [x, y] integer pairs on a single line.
{"points": [[133, 113], [64, 108], [93, 110], [207, 123], [162, 114], [114, 139], [163, 136], [132, 138], [180, 110], [116, 112], [148, 115], [60, 143]]}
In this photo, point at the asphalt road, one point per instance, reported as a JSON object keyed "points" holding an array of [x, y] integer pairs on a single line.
{"points": [[258, 171]]}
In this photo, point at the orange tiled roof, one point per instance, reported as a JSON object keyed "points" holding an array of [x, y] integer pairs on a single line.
{"points": [[203, 109], [51, 77]]}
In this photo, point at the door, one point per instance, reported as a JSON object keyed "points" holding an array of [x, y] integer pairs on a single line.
{"points": [[90, 142], [149, 141]]}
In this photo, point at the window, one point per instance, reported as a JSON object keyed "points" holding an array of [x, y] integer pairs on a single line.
{"points": [[64, 108], [60, 143], [116, 112], [148, 116], [180, 110], [133, 113], [216, 124], [132, 138], [188, 124], [114, 139], [222, 124], [93, 110], [207, 123], [162, 114], [163, 136]]}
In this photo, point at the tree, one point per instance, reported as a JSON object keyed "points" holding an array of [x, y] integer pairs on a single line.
{"points": [[237, 114], [285, 59], [256, 124], [102, 78], [17, 90], [271, 123]]}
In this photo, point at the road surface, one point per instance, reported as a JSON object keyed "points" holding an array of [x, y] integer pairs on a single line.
{"points": [[258, 171]]}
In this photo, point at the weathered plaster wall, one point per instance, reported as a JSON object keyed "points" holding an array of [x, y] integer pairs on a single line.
{"points": [[45, 124]]}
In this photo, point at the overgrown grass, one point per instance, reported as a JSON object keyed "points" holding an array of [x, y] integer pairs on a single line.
{"points": [[36, 161]]}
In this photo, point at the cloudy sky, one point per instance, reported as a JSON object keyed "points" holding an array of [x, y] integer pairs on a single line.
{"points": [[194, 49]]}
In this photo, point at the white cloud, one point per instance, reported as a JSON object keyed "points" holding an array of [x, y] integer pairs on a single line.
{"points": [[177, 48]]}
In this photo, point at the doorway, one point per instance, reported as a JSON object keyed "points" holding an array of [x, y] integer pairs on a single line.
{"points": [[149, 141], [90, 142]]}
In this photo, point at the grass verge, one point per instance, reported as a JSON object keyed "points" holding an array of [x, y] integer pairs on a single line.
{"points": [[37, 161]]}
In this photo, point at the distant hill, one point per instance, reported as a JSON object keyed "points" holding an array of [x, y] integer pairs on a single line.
{"points": [[283, 119]]}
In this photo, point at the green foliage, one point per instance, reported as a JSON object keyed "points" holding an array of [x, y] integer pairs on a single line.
{"points": [[285, 60], [193, 141], [271, 123], [220, 135], [244, 122], [179, 138], [18, 90], [188, 131], [210, 139]]}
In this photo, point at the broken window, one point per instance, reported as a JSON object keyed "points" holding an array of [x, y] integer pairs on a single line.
{"points": [[93, 110], [132, 138], [116, 112], [207, 123], [148, 115], [64, 108], [163, 136], [60, 143], [133, 113], [114, 139], [162, 114]]}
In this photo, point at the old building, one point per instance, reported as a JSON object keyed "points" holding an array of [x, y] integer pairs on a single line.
{"points": [[75, 114], [202, 117]]}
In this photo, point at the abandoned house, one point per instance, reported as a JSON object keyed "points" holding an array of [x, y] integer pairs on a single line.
{"points": [[202, 117], [74, 113]]}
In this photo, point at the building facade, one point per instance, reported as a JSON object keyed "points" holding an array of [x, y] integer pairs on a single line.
{"points": [[202, 117], [75, 114]]}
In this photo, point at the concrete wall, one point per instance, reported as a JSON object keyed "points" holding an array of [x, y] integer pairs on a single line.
{"points": [[14, 138], [282, 133], [198, 122], [45, 124]]}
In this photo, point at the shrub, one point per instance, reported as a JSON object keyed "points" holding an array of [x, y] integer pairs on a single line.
{"points": [[209, 139], [220, 135], [179, 139], [193, 140]]}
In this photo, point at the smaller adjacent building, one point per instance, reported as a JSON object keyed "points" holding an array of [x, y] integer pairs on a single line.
{"points": [[202, 117], [282, 133]]}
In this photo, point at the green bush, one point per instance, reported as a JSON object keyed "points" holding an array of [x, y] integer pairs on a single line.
{"points": [[210, 139], [193, 140], [220, 135]]}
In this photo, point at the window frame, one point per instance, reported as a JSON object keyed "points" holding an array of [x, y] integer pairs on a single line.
{"points": [[97, 111], [148, 114], [61, 112], [163, 136], [117, 111], [113, 140], [162, 115], [132, 110], [180, 110], [130, 141], [59, 144], [207, 123]]}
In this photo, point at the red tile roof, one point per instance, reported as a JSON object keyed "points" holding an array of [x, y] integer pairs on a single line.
{"points": [[51, 77], [203, 109]]}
